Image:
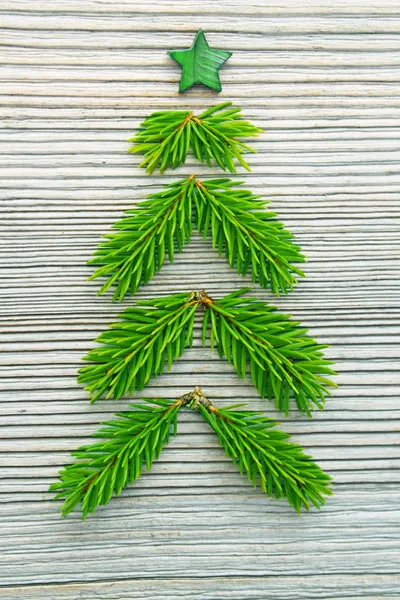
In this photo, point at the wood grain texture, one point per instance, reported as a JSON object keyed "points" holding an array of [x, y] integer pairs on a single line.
{"points": [[77, 79]]}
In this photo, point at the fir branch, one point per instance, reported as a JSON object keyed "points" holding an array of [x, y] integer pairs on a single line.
{"points": [[279, 467], [165, 138], [284, 361], [136, 348], [160, 225], [106, 468], [251, 238]]}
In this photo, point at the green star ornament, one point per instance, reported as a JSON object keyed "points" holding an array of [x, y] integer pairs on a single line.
{"points": [[200, 64]]}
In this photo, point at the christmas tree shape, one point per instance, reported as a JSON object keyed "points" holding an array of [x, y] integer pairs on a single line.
{"points": [[283, 361]]}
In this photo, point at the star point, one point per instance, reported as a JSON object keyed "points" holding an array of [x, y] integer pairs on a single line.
{"points": [[200, 64]]}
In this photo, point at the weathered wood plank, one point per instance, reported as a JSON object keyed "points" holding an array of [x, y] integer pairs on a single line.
{"points": [[375, 587], [77, 78]]}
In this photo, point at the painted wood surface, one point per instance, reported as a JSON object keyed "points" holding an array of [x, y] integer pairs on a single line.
{"points": [[322, 79]]}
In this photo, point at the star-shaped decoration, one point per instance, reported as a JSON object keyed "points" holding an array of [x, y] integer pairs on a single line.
{"points": [[200, 64]]}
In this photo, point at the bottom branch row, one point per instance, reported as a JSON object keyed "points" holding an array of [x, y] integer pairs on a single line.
{"points": [[280, 468]]}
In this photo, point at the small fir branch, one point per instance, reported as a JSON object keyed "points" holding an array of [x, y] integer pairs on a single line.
{"points": [[165, 138], [280, 468], [160, 225], [284, 361], [252, 239], [106, 468], [136, 438], [137, 347]]}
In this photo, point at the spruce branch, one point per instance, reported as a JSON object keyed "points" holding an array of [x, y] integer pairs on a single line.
{"points": [[284, 361], [137, 347], [251, 238], [279, 467], [160, 225], [105, 468], [165, 138], [136, 438]]}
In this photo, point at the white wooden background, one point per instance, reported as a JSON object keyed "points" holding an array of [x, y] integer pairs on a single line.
{"points": [[322, 78]]}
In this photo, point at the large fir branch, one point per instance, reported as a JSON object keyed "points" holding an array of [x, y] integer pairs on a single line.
{"points": [[165, 138], [105, 468], [160, 225], [137, 347], [251, 238], [284, 361], [279, 467], [136, 438]]}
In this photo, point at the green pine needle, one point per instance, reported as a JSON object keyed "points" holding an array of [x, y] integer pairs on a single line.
{"points": [[284, 361], [165, 138], [251, 238], [106, 468], [136, 438], [137, 347]]}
